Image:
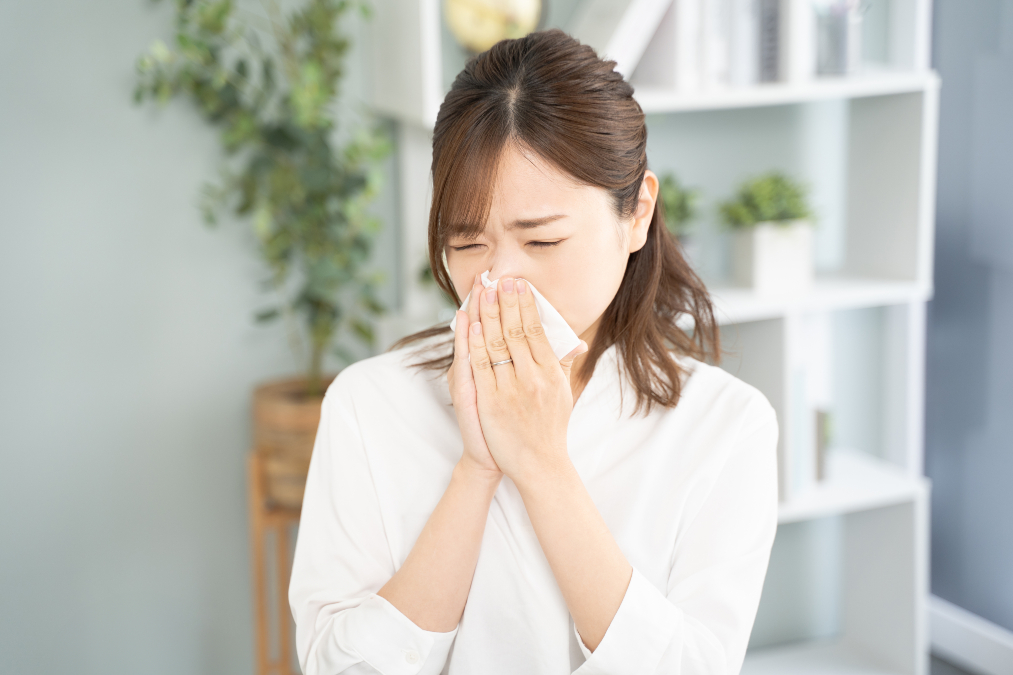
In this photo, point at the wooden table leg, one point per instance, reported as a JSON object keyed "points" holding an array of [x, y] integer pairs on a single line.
{"points": [[263, 519], [256, 494]]}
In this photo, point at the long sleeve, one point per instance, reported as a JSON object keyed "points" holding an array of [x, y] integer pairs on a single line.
{"points": [[342, 559], [701, 626]]}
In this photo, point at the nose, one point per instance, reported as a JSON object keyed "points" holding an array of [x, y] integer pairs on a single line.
{"points": [[504, 275], [506, 261], [504, 269]]}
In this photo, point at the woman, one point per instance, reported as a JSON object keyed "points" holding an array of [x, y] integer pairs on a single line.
{"points": [[517, 517]]}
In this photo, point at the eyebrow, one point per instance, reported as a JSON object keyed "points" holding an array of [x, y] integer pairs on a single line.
{"points": [[534, 222]]}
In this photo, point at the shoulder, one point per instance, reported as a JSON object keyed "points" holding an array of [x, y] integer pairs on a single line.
{"points": [[388, 376], [724, 397], [729, 428], [401, 417]]}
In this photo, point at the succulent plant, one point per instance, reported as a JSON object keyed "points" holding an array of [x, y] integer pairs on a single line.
{"points": [[771, 197]]}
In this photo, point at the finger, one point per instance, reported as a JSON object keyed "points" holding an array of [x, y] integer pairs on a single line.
{"points": [[476, 343], [462, 369], [513, 328], [538, 343], [567, 361], [481, 366], [476, 290], [495, 345]]}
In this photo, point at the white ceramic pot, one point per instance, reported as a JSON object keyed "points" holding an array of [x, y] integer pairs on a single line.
{"points": [[774, 257]]}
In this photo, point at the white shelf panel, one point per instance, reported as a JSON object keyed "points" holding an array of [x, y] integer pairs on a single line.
{"points": [[658, 100], [736, 305], [815, 657], [855, 481]]}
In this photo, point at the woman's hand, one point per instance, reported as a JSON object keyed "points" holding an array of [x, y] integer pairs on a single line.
{"points": [[461, 382], [524, 406]]}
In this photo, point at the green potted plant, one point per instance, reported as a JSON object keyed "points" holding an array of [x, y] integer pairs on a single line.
{"points": [[304, 193], [772, 239], [679, 207]]}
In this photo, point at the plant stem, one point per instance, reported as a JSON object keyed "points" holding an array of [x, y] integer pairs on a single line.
{"points": [[314, 383], [282, 35]]}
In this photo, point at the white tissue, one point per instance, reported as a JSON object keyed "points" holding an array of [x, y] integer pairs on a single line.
{"points": [[560, 335]]}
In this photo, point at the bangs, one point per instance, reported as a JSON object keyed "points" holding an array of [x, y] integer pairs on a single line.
{"points": [[462, 193]]}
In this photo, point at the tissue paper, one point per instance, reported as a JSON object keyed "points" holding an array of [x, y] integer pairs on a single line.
{"points": [[560, 335]]}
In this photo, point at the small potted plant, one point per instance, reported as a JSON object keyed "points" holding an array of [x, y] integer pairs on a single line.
{"points": [[772, 243], [679, 207], [305, 196]]}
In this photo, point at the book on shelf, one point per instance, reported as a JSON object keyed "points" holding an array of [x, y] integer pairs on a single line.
{"points": [[744, 45], [769, 40], [659, 64], [674, 57], [716, 31], [812, 398], [694, 44], [619, 29], [797, 29], [687, 17], [706, 45]]}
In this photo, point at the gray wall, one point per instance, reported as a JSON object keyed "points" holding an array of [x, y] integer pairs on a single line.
{"points": [[969, 404], [127, 357]]}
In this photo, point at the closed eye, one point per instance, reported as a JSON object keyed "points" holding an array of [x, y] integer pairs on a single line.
{"points": [[537, 244]]}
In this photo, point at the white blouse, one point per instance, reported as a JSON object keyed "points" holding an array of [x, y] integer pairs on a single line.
{"points": [[689, 493]]}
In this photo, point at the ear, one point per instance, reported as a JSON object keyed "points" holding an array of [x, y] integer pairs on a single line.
{"points": [[645, 211]]}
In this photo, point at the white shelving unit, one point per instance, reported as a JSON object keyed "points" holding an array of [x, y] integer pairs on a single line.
{"points": [[655, 100], [847, 588]]}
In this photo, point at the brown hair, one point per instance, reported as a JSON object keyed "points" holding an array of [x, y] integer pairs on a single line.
{"points": [[549, 93]]}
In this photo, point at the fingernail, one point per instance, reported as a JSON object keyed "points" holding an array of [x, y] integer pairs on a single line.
{"points": [[508, 285], [474, 282], [476, 328], [490, 295], [522, 286]]}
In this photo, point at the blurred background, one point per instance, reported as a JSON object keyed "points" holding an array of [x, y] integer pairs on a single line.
{"points": [[209, 208]]}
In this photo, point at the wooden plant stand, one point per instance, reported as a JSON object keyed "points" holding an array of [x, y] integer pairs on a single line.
{"points": [[271, 539]]}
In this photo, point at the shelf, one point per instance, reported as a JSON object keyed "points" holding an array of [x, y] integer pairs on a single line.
{"points": [[737, 305], [655, 100], [815, 657], [855, 481]]}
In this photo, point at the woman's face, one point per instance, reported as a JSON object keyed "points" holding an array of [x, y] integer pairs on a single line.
{"points": [[561, 236]]}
